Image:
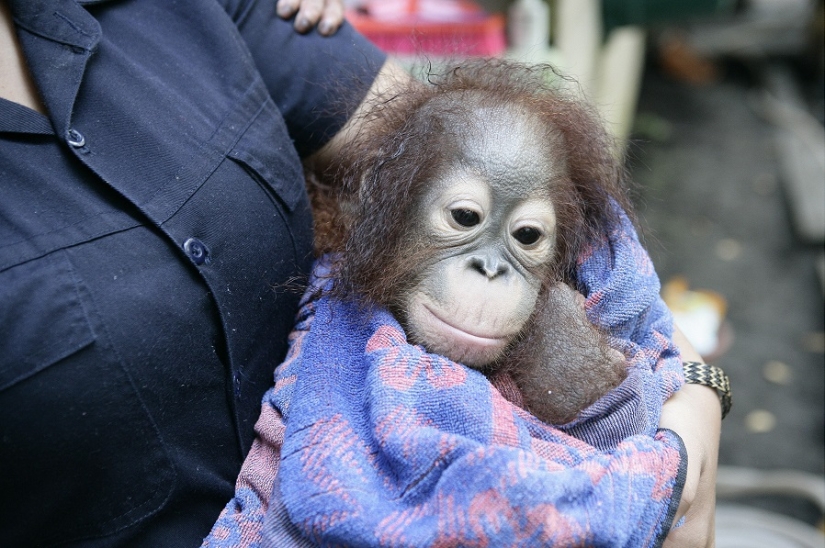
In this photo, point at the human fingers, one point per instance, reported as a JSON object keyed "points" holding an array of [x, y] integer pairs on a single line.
{"points": [[332, 17], [309, 13], [326, 14], [287, 8]]}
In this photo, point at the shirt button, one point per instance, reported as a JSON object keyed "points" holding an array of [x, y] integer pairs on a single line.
{"points": [[197, 250], [76, 138]]}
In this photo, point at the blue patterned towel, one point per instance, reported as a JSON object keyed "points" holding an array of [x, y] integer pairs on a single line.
{"points": [[366, 440]]}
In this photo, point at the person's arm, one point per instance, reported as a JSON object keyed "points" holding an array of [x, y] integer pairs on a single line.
{"points": [[694, 412], [327, 14], [391, 77]]}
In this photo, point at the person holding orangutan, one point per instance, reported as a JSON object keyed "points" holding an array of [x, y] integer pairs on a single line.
{"points": [[154, 218]]}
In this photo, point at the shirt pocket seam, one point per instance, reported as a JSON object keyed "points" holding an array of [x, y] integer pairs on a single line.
{"points": [[276, 166], [68, 319]]}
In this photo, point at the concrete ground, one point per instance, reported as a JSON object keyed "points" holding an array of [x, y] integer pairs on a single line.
{"points": [[710, 194]]}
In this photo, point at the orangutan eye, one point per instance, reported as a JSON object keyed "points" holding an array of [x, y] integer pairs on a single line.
{"points": [[527, 235], [465, 217]]}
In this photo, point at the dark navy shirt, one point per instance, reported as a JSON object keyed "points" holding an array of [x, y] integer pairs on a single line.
{"points": [[150, 229]]}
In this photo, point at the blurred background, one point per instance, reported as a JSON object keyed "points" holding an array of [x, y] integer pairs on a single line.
{"points": [[718, 107]]}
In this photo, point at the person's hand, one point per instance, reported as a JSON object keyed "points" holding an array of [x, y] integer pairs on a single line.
{"points": [[695, 413], [326, 14]]}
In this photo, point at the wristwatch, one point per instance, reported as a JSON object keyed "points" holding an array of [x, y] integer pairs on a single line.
{"points": [[712, 376]]}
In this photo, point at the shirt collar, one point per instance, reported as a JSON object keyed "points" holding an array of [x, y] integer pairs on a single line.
{"points": [[63, 21], [16, 118]]}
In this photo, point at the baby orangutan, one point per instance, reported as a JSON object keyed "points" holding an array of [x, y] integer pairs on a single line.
{"points": [[463, 211]]}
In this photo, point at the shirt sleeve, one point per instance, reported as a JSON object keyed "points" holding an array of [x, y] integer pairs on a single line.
{"points": [[316, 81]]}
